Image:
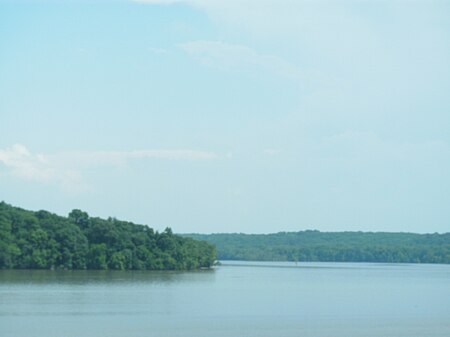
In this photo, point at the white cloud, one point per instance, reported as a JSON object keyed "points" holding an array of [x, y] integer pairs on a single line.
{"points": [[65, 169], [38, 167], [228, 56]]}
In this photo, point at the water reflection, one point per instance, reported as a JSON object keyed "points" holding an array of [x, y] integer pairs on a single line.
{"points": [[83, 277], [256, 300]]}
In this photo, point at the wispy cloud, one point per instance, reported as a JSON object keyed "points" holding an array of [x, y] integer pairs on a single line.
{"points": [[228, 56], [160, 51], [119, 157], [161, 2], [252, 17], [271, 152], [65, 169], [39, 168]]}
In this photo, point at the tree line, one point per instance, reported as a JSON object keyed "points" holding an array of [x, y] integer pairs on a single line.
{"points": [[312, 245], [42, 240]]}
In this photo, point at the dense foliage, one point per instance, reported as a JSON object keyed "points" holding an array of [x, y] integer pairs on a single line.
{"points": [[42, 240], [339, 247]]}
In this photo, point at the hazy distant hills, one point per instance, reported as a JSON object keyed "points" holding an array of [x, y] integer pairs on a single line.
{"points": [[332, 246]]}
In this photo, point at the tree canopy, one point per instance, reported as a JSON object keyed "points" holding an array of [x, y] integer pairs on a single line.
{"points": [[42, 240], [313, 245]]}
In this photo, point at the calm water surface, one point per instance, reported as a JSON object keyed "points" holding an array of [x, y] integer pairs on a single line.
{"points": [[236, 299]]}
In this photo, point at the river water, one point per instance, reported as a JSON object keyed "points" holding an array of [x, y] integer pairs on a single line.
{"points": [[235, 299]]}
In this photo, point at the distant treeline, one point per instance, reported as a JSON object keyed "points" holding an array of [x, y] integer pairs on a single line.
{"points": [[332, 247], [42, 240]]}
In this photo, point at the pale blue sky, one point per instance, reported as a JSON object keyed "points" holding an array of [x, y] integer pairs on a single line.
{"points": [[229, 116]]}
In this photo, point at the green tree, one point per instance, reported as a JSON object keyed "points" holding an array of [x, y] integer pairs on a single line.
{"points": [[97, 256]]}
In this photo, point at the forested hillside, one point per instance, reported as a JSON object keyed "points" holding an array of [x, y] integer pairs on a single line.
{"points": [[42, 240], [339, 247]]}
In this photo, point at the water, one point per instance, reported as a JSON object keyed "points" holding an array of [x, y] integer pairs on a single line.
{"points": [[237, 299]]}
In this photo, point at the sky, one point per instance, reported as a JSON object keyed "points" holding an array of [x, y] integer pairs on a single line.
{"points": [[229, 116]]}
